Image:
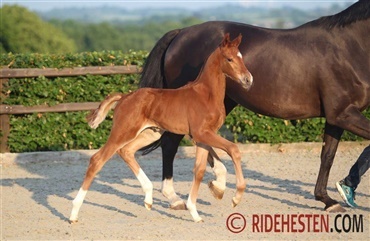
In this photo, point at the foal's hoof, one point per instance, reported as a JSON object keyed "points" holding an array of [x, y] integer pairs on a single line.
{"points": [[234, 202], [73, 221], [216, 192], [200, 220], [148, 206], [179, 205], [336, 208]]}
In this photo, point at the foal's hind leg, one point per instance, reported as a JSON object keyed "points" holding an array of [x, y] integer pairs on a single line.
{"points": [[127, 153], [97, 161], [117, 139]]}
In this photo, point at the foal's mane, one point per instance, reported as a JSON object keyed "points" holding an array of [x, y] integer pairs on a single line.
{"points": [[202, 68], [356, 12]]}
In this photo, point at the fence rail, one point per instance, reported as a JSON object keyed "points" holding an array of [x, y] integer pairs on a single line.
{"points": [[20, 109], [6, 73], [6, 110]]}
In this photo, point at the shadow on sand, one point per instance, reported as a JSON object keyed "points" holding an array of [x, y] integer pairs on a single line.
{"points": [[61, 174]]}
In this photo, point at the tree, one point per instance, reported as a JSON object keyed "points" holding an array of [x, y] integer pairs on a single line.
{"points": [[24, 32], [119, 35]]}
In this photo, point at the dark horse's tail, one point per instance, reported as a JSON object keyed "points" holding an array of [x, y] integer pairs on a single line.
{"points": [[153, 72]]}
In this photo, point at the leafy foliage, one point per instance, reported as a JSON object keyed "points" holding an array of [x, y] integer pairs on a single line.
{"points": [[23, 32], [103, 58]]}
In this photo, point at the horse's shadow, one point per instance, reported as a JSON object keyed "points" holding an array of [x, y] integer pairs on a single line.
{"points": [[64, 179], [281, 185], [65, 182]]}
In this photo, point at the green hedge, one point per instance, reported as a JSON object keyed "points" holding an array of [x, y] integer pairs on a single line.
{"points": [[66, 131]]}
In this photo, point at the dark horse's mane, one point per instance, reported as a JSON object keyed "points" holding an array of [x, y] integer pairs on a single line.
{"points": [[356, 12]]}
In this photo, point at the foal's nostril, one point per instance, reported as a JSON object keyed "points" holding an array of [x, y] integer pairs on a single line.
{"points": [[250, 79]]}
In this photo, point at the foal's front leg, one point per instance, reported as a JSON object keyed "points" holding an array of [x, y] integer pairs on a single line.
{"points": [[199, 169], [169, 144], [212, 139], [218, 186]]}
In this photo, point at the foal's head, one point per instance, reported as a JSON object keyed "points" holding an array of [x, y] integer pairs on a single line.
{"points": [[232, 64]]}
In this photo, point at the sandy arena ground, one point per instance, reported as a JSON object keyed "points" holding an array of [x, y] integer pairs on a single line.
{"points": [[37, 190]]}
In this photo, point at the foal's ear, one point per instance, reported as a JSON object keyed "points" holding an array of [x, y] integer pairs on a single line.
{"points": [[226, 40], [237, 41]]}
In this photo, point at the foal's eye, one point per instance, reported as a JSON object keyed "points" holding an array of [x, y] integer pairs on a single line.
{"points": [[229, 59]]}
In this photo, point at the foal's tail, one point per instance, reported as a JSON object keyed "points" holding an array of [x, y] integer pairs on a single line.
{"points": [[98, 115], [153, 71]]}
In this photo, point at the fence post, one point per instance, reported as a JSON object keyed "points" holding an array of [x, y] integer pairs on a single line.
{"points": [[5, 130], [4, 122]]}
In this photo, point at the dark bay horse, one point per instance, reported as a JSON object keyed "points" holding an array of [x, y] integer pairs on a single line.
{"points": [[319, 69], [196, 109]]}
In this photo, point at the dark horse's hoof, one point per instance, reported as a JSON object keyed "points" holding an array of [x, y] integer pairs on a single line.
{"points": [[335, 208]]}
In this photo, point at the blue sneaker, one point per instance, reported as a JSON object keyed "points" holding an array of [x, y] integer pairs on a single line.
{"points": [[347, 193]]}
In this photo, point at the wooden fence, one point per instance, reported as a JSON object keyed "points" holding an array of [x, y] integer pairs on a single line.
{"points": [[6, 110]]}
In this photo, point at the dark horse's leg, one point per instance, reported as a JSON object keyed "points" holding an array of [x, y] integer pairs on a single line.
{"points": [[350, 119], [332, 136], [169, 145]]}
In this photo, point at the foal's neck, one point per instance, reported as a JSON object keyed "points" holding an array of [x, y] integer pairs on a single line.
{"points": [[212, 77]]}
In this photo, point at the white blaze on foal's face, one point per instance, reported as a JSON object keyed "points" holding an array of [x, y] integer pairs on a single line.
{"points": [[239, 55]]}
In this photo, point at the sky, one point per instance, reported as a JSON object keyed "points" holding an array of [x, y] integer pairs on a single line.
{"points": [[44, 5]]}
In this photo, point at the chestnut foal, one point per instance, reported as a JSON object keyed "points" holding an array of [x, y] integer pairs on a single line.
{"points": [[197, 109]]}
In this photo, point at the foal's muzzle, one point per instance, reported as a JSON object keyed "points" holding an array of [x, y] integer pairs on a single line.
{"points": [[246, 81]]}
